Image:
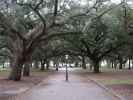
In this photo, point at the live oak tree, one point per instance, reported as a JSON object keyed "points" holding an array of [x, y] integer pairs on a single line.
{"points": [[22, 45], [28, 23], [26, 32], [100, 36]]}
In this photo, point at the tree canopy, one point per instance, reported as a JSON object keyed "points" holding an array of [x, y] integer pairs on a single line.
{"points": [[43, 29]]}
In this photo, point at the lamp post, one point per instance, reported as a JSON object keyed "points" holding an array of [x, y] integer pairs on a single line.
{"points": [[66, 56]]}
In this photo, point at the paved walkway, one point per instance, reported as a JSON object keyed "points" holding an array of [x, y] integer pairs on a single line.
{"points": [[56, 88]]}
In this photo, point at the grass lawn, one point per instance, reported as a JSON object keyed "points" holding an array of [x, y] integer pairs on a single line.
{"points": [[115, 82], [120, 81], [4, 72]]}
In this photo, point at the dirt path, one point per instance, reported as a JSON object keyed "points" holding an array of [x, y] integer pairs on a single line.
{"points": [[56, 88]]}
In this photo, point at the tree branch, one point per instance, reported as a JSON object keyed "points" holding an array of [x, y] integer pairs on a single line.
{"points": [[50, 36], [106, 11], [7, 25], [111, 49], [55, 11], [37, 6], [87, 47]]}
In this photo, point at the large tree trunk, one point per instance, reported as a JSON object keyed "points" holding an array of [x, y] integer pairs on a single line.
{"points": [[120, 64], [26, 69], [27, 65], [96, 66], [120, 59], [83, 63], [16, 70]]}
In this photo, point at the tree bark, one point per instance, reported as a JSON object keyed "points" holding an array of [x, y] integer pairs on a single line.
{"points": [[83, 63], [120, 59], [120, 65], [96, 66], [26, 69], [16, 70]]}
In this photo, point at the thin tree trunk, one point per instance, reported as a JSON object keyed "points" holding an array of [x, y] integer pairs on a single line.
{"points": [[115, 64], [112, 64], [83, 63], [57, 68], [96, 66], [132, 63], [120, 65], [129, 63], [42, 65], [31, 65], [47, 65]]}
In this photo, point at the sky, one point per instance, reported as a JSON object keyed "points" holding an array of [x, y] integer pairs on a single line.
{"points": [[130, 2], [116, 1], [83, 2]]}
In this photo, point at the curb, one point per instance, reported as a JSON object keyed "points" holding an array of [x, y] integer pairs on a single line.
{"points": [[113, 93]]}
